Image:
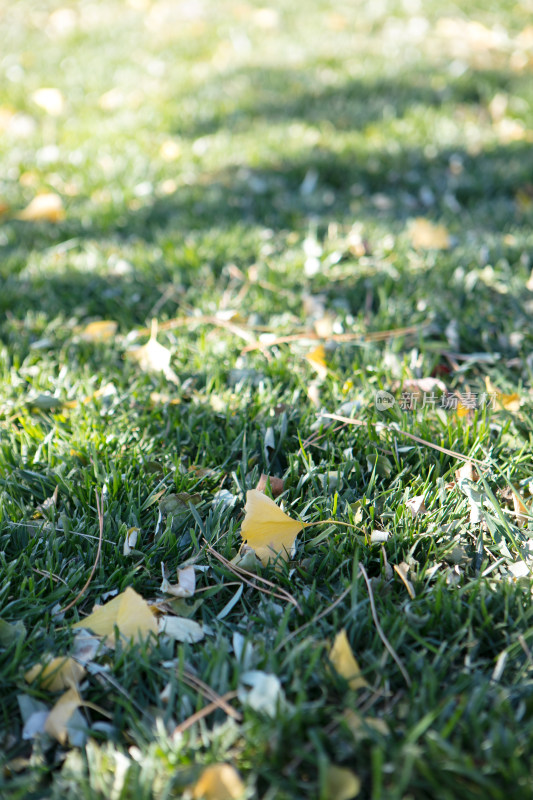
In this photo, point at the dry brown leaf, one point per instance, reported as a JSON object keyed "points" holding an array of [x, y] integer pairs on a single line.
{"points": [[276, 484], [520, 510], [467, 472], [46, 207], [267, 529], [219, 782], [128, 612], [345, 663], [425, 235], [57, 674]]}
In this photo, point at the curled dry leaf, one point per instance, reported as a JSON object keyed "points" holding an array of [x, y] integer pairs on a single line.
{"points": [[276, 484], [345, 663], [416, 505], [130, 542], [128, 611], [402, 570], [186, 583], [267, 529], [57, 674], [218, 782], [47, 207]]}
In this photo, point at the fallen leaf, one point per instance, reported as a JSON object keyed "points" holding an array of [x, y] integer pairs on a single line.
{"points": [[276, 484], [380, 463], [100, 331], [181, 629], [128, 611], [186, 583], [57, 674], [267, 529], [130, 542], [344, 662], [425, 235], [317, 359], [416, 505], [57, 721], [467, 472], [360, 726], [218, 782], [508, 402], [261, 691], [47, 207], [50, 100], [341, 783], [153, 357]]}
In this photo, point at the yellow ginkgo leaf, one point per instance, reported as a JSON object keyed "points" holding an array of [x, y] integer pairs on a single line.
{"points": [[58, 718], [341, 783], [57, 674], [99, 331], [509, 402], [267, 529], [344, 662], [153, 357], [317, 359], [128, 611], [219, 782], [46, 207], [425, 235]]}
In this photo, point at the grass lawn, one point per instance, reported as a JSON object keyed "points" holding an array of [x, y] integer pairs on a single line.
{"points": [[316, 202]]}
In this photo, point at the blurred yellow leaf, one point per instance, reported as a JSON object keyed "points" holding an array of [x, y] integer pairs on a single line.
{"points": [[425, 235], [267, 529], [341, 783], [153, 357], [219, 782], [47, 207], [50, 100], [58, 718], [100, 331], [317, 359], [344, 662], [509, 402], [128, 611], [57, 674]]}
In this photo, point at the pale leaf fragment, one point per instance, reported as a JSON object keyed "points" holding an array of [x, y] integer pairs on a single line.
{"points": [[520, 510], [181, 629], [128, 611], [186, 583], [262, 692], [345, 663], [219, 782], [341, 783], [46, 207], [416, 505], [267, 529], [57, 674], [130, 541]]}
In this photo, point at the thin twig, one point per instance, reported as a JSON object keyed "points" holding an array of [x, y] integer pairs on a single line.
{"points": [[379, 629], [452, 453], [281, 594], [204, 712], [209, 694], [100, 509]]}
